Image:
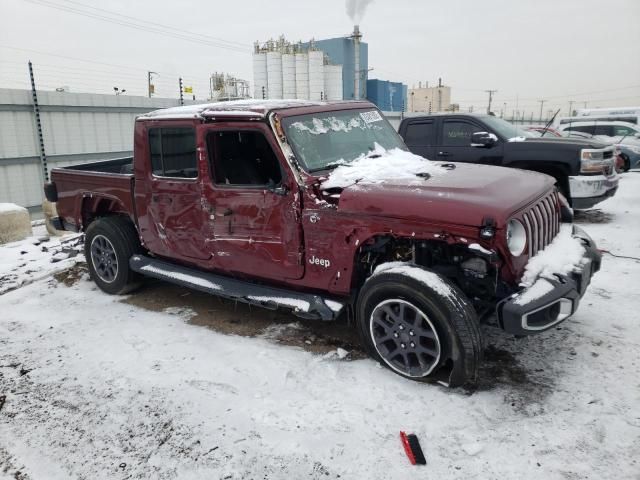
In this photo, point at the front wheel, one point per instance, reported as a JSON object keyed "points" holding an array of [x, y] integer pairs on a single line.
{"points": [[419, 325]]}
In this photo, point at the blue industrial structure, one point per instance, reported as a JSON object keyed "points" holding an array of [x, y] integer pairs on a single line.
{"points": [[341, 52], [388, 96]]}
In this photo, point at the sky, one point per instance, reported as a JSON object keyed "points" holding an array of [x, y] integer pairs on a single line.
{"points": [[585, 51]]}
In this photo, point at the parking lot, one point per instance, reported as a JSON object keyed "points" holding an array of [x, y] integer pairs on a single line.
{"points": [[170, 383]]}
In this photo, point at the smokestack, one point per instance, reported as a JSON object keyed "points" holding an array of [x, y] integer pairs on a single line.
{"points": [[356, 49]]}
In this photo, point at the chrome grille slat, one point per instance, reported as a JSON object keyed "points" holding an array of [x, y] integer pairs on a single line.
{"points": [[553, 218], [545, 223], [536, 231], [547, 233], [537, 211], [557, 210], [529, 233], [554, 209], [542, 223], [547, 204]]}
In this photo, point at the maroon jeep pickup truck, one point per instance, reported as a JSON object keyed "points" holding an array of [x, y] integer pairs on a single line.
{"points": [[319, 208]]}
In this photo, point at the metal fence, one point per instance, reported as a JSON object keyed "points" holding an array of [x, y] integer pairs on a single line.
{"points": [[76, 128]]}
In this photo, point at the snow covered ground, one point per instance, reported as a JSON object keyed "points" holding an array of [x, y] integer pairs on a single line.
{"points": [[97, 387]]}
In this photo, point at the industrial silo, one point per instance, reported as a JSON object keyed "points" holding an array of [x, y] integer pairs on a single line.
{"points": [[316, 75], [274, 74], [288, 75], [302, 76], [333, 82], [260, 86]]}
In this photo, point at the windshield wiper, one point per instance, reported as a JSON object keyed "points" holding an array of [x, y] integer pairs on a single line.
{"points": [[546, 127]]}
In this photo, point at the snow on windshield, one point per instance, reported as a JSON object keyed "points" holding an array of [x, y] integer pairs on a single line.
{"points": [[324, 125], [381, 165]]}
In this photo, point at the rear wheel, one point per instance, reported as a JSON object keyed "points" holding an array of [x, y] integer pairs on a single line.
{"points": [[419, 325], [109, 244]]}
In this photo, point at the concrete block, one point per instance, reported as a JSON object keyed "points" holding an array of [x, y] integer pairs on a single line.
{"points": [[15, 223]]}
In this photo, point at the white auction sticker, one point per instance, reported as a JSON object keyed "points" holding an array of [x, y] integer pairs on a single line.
{"points": [[372, 116]]}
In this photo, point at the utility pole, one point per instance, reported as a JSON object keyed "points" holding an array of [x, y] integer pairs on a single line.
{"points": [[541, 105], [490, 92], [36, 113], [181, 97], [571, 108], [150, 88]]}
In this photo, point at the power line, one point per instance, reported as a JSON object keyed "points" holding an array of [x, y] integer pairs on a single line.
{"points": [[191, 37], [78, 59], [168, 27]]}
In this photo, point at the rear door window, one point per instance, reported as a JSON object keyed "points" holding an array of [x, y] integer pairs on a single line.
{"points": [[173, 152], [604, 130], [583, 128], [419, 133]]}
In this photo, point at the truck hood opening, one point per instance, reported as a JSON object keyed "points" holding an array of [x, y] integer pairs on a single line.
{"points": [[465, 195]]}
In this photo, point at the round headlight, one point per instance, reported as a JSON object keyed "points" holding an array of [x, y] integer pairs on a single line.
{"points": [[516, 237]]}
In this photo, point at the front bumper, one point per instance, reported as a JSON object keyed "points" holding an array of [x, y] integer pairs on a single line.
{"points": [[561, 300], [589, 190]]}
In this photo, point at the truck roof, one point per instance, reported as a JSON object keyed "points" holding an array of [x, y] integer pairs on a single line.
{"points": [[444, 114], [236, 108]]}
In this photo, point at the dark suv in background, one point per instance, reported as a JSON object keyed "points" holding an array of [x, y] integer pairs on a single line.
{"points": [[584, 169]]}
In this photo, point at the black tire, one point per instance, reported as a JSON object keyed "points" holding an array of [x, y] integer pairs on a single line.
{"points": [[121, 240], [627, 163], [459, 340]]}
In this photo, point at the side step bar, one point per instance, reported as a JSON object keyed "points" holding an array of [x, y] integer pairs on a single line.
{"points": [[304, 305]]}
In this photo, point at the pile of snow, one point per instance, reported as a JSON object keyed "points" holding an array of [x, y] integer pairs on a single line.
{"points": [[427, 277], [34, 258], [381, 165], [538, 290], [561, 256], [15, 223]]}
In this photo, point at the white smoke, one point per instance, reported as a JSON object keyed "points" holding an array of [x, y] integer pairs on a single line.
{"points": [[356, 9]]}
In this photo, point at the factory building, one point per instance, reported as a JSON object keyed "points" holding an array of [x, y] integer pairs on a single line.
{"points": [[353, 55], [332, 69], [388, 96], [429, 99], [285, 70]]}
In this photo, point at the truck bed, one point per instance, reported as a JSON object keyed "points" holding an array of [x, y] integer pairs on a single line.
{"points": [[117, 165], [91, 187]]}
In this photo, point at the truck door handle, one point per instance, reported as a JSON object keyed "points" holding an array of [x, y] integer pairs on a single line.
{"points": [[444, 154], [227, 212]]}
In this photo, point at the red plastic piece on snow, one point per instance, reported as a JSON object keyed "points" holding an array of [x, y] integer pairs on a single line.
{"points": [[412, 449], [407, 448]]}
